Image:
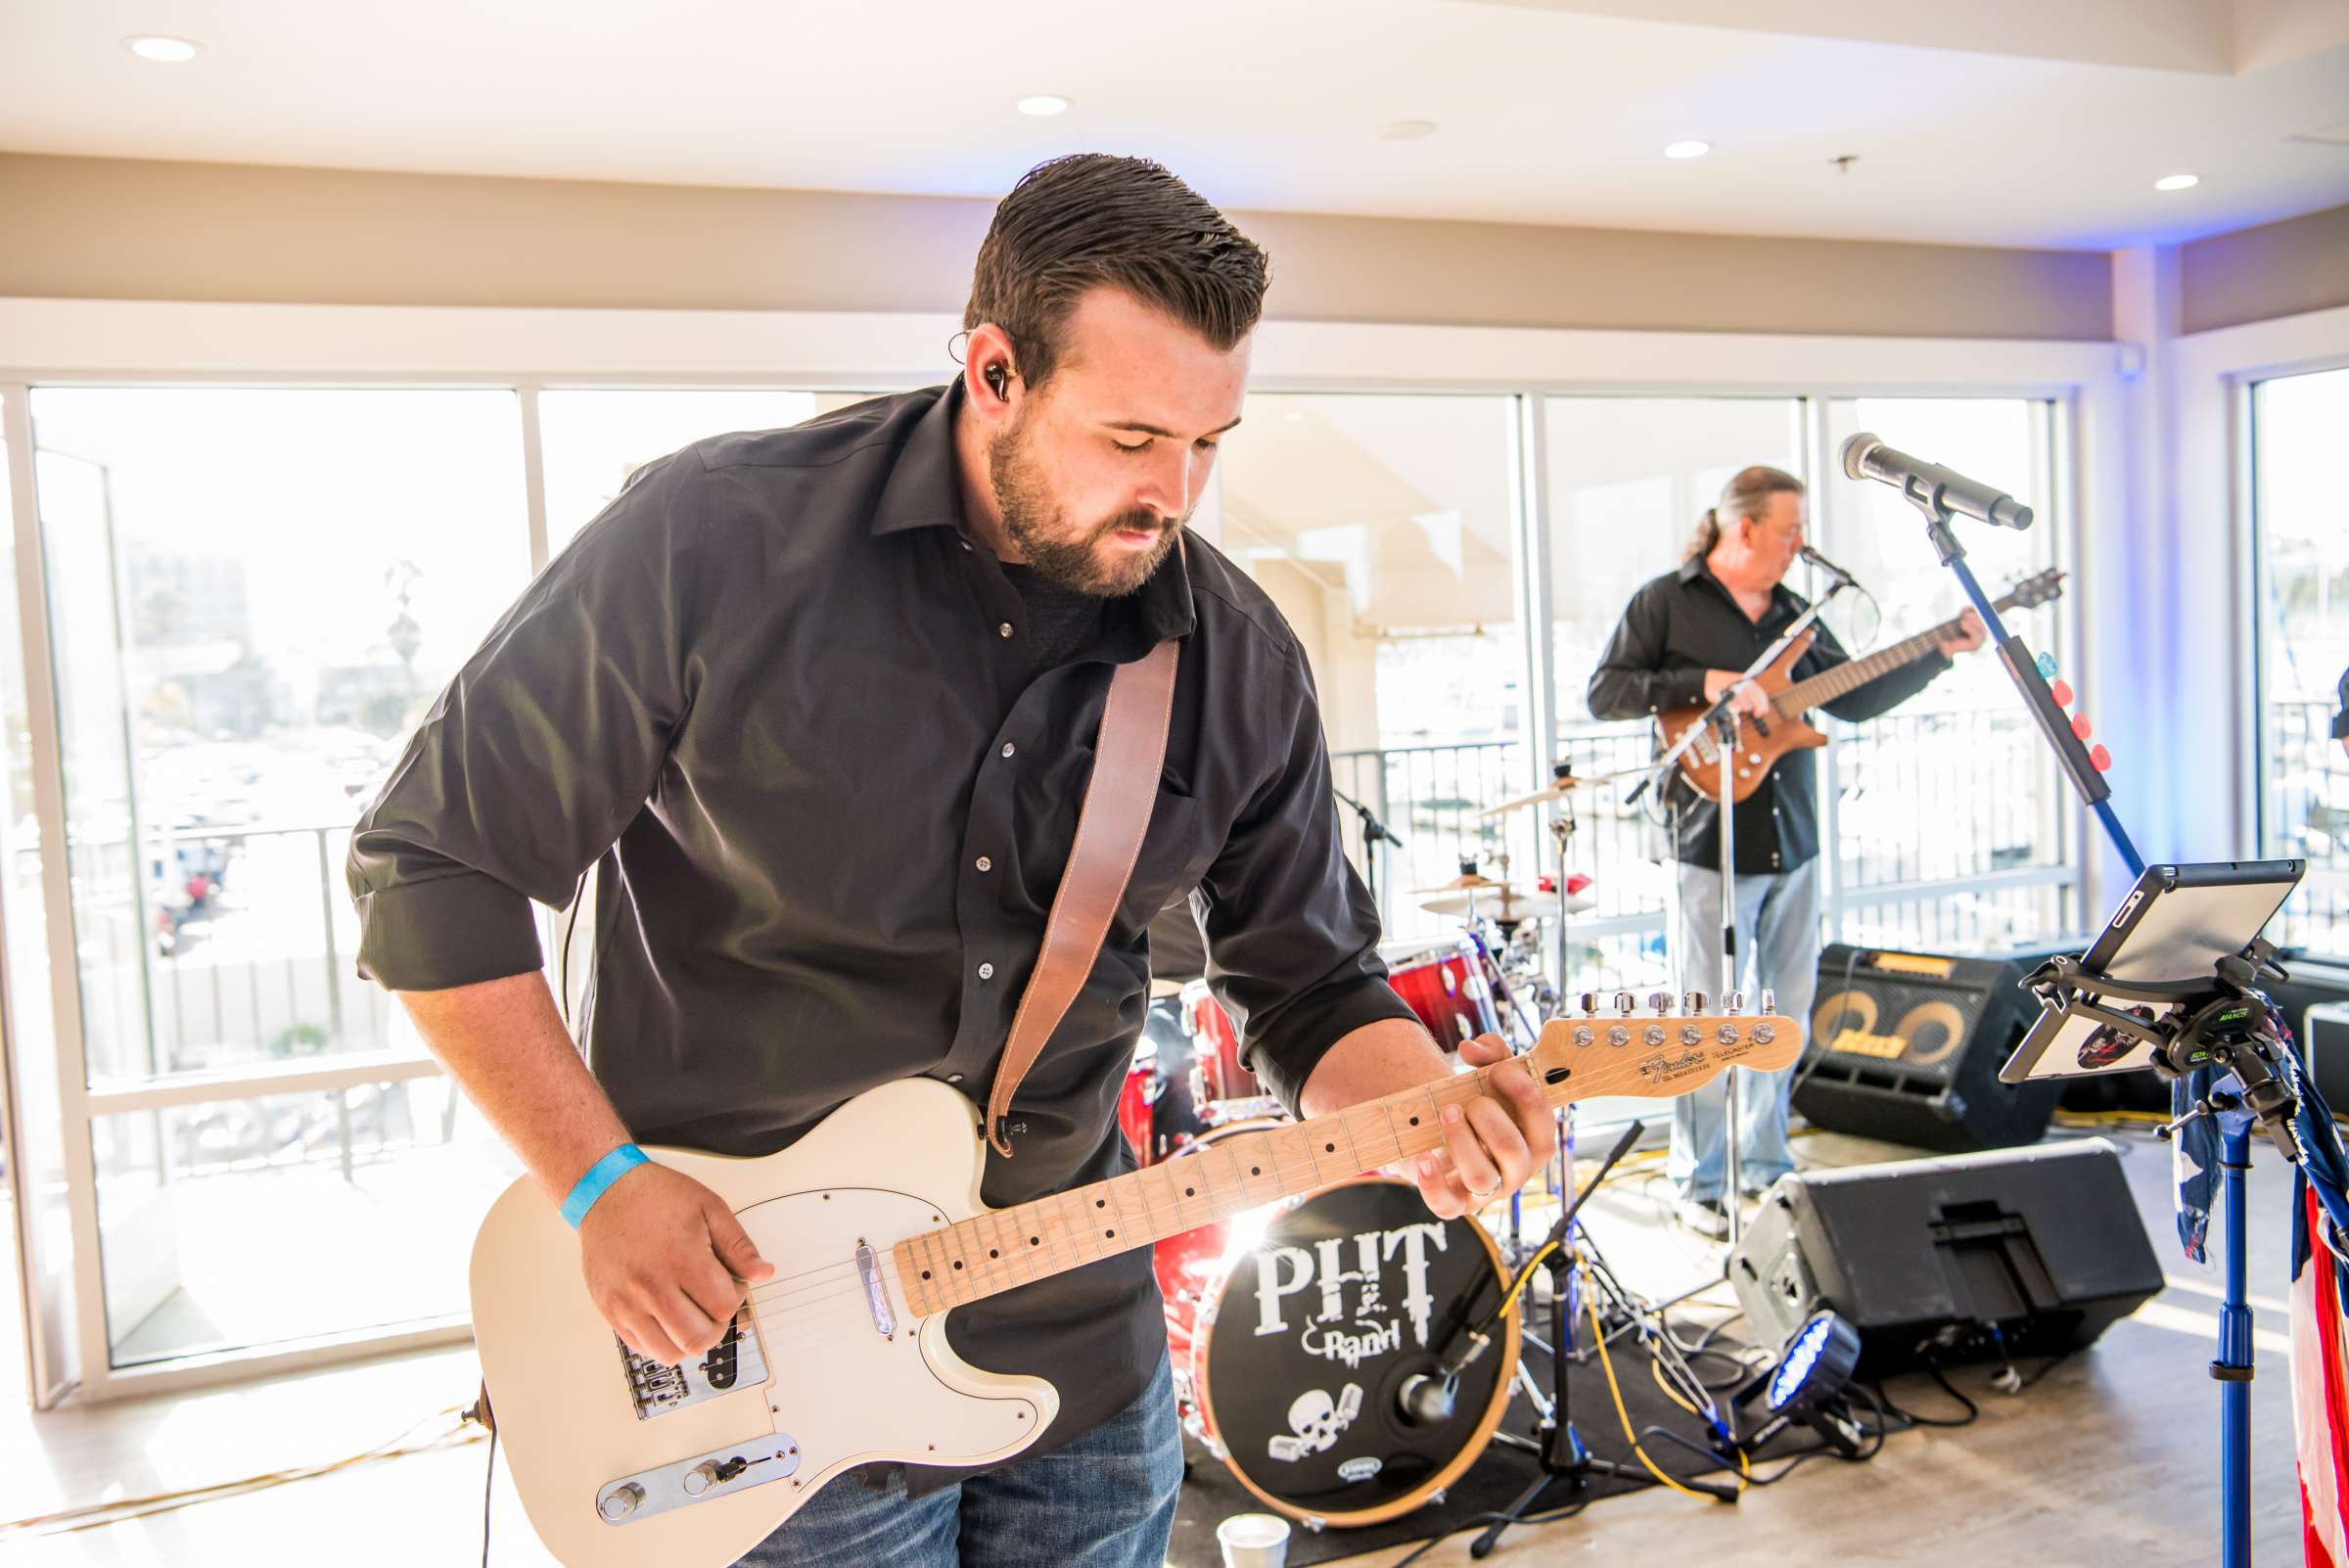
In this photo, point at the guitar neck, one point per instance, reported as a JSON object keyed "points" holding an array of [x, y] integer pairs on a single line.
{"points": [[995, 1250], [1828, 685]]}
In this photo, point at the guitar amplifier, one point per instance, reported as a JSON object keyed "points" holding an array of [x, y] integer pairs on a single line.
{"points": [[1906, 1046]]}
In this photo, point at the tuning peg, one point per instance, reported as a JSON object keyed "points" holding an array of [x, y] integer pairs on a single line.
{"points": [[1693, 1003], [1736, 1003], [1659, 1003], [1769, 1001], [1590, 1001], [1625, 1004]]}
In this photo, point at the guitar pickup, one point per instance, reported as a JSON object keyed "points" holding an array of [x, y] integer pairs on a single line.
{"points": [[657, 1388]]}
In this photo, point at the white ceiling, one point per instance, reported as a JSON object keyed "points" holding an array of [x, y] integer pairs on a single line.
{"points": [[2034, 122]]}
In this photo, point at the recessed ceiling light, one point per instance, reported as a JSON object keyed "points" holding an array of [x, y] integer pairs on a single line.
{"points": [[169, 51], [2177, 182], [1044, 104], [1687, 148], [1406, 130]]}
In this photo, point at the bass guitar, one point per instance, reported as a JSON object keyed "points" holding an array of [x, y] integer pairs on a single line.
{"points": [[875, 1224], [1761, 742]]}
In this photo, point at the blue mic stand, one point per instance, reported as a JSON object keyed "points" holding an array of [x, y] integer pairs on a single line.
{"points": [[2234, 1124]]}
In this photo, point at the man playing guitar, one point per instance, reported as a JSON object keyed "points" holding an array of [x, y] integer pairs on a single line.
{"points": [[1684, 638], [820, 704]]}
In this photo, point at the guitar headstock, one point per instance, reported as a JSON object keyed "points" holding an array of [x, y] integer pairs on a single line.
{"points": [[2040, 587], [1662, 1051]]}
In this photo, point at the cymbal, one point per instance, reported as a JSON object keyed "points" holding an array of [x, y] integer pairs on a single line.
{"points": [[1467, 879], [1561, 789], [1497, 902]]}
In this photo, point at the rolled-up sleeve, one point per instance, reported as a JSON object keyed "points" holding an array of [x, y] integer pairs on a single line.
{"points": [[537, 754], [1292, 936]]}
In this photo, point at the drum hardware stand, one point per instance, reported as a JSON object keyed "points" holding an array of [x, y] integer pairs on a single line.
{"points": [[1721, 720], [1560, 1448]]}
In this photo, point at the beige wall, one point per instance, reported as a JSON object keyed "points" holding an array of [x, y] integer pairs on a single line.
{"points": [[2278, 270], [119, 228]]}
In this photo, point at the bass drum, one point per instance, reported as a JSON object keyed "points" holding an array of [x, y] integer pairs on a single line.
{"points": [[1293, 1343]]}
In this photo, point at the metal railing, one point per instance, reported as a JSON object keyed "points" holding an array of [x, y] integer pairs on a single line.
{"points": [[1947, 832]]}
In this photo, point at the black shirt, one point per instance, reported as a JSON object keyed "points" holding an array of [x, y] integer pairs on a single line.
{"points": [[789, 705], [1686, 623]]}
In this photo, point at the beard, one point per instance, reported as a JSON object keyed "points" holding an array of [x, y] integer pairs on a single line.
{"points": [[1062, 552]]}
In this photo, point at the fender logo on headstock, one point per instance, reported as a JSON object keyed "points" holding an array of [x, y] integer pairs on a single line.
{"points": [[1667, 1069]]}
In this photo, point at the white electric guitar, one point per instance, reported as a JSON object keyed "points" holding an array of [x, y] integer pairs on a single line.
{"points": [[874, 1223]]}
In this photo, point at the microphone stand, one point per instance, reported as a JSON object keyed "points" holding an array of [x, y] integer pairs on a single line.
{"points": [[1562, 1454], [1722, 719], [1374, 833]]}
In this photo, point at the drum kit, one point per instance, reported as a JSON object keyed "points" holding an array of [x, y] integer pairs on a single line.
{"points": [[1309, 1339]]}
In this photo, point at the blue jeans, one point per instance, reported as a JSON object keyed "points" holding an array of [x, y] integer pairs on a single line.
{"points": [[1777, 946], [1105, 1500]]}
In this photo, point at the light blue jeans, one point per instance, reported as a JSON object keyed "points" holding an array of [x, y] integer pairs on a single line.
{"points": [[1105, 1500], [1778, 946]]}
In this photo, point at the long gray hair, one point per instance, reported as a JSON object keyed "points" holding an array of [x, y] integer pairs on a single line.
{"points": [[1747, 494]]}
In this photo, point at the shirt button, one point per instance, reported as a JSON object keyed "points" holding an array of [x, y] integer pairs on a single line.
{"points": [[1008, 748], [953, 1078], [1004, 629], [987, 971], [984, 864]]}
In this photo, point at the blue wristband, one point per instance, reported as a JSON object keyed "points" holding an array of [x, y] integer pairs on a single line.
{"points": [[600, 1175]]}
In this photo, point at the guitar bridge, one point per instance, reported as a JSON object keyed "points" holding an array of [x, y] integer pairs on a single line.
{"points": [[657, 1388]]}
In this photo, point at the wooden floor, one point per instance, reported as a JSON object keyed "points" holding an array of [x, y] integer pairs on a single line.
{"points": [[2111, 1461]]}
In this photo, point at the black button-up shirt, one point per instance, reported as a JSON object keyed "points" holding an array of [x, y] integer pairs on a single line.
{"points": [[788, 706], [1686, 623]]}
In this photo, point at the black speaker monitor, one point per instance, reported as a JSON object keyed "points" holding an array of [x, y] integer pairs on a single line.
{"points": [[2043, 1245]]}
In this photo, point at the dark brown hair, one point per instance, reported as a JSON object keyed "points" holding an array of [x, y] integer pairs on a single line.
{"points": [[1090, 219], [1747, 494]]}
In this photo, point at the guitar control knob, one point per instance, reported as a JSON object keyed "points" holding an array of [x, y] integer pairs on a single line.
{"points": [[620, 1502], [701, 1478]]}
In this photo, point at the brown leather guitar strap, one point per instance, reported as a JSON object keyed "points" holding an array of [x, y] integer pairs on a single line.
{"points": [[1126, 756]]}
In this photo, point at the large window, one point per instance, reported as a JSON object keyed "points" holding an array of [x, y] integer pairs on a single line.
{"points": [[1383, 528], [1629, 479], [1955, 788], [2301, 546], [255, 596]]}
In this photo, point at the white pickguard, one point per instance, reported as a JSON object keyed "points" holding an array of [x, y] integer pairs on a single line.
{"points": [[896, 1162]]}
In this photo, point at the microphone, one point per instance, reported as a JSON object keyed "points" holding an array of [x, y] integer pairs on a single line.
{"points": [[1866, 456], [1828, 567]]}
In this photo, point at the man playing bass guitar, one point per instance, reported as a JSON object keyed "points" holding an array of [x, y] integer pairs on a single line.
{"points": [[1684, 637]]}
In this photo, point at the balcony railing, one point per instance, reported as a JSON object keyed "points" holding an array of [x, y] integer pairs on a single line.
{"points": [[1949, 828]]}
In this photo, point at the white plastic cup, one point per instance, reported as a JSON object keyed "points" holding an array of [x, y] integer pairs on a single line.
{"points": [[1254, 1541]]}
